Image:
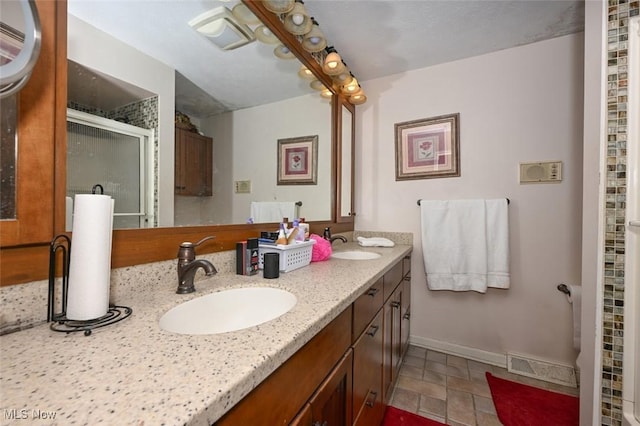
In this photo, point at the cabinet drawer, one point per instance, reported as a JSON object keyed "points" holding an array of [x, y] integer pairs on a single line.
{"points": [[365, 307], [391, 279]]}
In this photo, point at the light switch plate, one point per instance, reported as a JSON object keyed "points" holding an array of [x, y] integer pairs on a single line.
{"points": [[541, 172], [243, 186]]}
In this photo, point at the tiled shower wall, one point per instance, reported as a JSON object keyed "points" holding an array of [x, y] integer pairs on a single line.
{"points": [[618, 13]]}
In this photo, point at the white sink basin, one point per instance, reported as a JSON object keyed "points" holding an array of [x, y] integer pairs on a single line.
{"points": [[228, 310], [355, 255]]}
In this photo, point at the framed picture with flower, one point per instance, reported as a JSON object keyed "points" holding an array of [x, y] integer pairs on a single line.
{"points": [[428, 148], [298, 161]]}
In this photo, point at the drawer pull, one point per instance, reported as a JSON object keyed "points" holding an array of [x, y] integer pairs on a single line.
{"points": [[372, 291], [407, 315], [407, 278], [395, 304], [371, 401], [372, 330], [317, 423], [408, 257]]}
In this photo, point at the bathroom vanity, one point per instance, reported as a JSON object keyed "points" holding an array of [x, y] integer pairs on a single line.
{"points": [[336, 352]]}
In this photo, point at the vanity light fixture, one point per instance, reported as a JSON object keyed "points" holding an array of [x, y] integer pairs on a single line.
{"points": [[326, 93], [314, 40], [305, 73], [344, 77], [351, 88], [244, 15], [317, 85], [283, 52], [297, 20], [332, 64], [222, 28], [279, 6], [265, 35], [358, 97]]}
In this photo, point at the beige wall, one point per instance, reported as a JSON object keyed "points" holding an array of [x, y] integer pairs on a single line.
{"points": [[517, 105]]}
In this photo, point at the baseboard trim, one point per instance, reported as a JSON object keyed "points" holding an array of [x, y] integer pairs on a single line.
{"points": [[492, 358]]}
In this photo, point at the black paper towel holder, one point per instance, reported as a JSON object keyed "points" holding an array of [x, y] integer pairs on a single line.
{"points": [[59, 322]]}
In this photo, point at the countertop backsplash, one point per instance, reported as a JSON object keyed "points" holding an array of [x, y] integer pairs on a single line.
{"points": [[25, 305]]}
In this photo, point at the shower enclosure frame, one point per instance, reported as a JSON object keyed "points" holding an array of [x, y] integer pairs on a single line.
{"points": [[631, 356]]}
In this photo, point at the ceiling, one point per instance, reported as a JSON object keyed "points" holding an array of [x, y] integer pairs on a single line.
{"points": [[375, 38]]}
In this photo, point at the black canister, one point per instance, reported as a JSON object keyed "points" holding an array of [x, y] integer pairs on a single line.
{"points": [[271, 265]]}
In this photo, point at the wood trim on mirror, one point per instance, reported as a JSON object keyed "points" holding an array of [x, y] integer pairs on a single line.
{"points": [[26, 263]]}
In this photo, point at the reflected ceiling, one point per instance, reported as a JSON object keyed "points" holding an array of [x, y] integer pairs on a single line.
{"points": [[375, 37]]}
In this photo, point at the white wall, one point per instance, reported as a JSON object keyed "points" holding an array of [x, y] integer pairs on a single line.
{"points": [[517, 105], [99, 51], [253, 156]]}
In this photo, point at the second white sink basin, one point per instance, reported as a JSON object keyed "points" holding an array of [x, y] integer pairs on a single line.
{"points": [[228, 310], [355, 255]]}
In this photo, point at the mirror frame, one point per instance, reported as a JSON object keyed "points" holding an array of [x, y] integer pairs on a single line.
{"points": [[340, 104], [29, 262]]}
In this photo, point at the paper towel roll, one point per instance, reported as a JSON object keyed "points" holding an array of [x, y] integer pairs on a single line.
{"points": [[90, 261]]}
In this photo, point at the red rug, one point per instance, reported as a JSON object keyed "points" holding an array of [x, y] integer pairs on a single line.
{"points": [[522, 405], [395, 417]]}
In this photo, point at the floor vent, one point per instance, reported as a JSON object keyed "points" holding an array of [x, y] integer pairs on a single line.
{"points": [[541, 370]]}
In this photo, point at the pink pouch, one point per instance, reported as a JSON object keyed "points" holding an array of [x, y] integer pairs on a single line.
{"points": [[321, 249]]}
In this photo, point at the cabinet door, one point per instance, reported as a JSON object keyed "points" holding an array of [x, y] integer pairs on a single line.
{"points": [[405, 308], [368, 405], [332, 403], [193, 164], [396, 322]]}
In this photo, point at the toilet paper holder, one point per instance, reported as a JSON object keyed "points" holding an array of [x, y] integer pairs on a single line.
{"points": [[61, 246]]}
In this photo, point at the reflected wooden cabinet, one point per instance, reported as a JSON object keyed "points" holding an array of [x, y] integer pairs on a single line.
{"points": [[194, 164]]}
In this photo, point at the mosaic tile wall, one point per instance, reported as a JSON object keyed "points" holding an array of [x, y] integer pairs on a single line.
{"points": [[142, 114], [618, 13]]}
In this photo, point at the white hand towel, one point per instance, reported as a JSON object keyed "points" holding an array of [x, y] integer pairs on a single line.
{"points": [[497, 216], [375, 242], [465, 244], [272, 211]]}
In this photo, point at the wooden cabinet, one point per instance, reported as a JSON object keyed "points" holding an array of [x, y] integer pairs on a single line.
{"points": [[397, 286], [332, 404], [288, 390], [194, 164], [344, 375], [367, 372]]}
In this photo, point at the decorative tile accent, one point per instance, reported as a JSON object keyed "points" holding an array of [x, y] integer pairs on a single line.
{"points": [[615, 209]]}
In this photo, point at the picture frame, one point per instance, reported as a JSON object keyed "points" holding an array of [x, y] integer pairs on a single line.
{"points": [[428, 148], [298, 161]]}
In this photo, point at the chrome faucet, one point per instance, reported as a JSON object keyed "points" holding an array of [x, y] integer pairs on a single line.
{"points": [[327, 236], [188, 265]]}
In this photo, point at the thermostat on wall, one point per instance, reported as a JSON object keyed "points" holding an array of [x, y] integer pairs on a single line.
{"points": [[541, 172]]}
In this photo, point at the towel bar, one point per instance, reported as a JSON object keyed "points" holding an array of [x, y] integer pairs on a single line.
{"points": [[420, 199], [563, 288]]}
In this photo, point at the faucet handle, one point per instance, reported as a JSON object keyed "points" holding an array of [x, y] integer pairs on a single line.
{"points": [[187, 250], [327, 233]]}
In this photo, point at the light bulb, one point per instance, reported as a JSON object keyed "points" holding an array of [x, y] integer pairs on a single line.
{"points": [[297, 18], [314, 40]]}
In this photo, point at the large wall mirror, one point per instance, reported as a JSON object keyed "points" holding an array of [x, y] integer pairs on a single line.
{"points": [[127, 72]]}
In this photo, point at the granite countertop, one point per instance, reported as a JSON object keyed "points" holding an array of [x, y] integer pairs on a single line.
{"points": [[133, 372]]}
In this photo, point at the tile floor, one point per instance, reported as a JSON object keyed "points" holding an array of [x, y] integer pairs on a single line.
{"points": [[453, 390]]}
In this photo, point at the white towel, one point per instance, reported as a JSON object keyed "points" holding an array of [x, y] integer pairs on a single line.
{"points": [[465, 244], [375, 242], [272, 211]]}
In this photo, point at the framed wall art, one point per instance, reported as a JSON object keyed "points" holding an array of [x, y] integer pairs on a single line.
{"points": [[428, 148], [298, 161]]}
